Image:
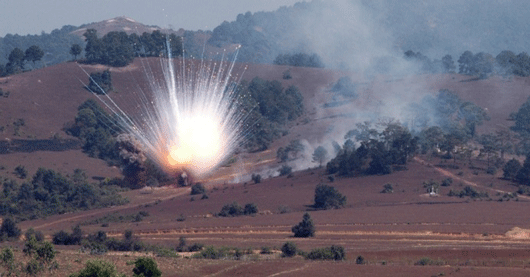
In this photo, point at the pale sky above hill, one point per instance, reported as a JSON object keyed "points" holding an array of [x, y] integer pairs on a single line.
{"points": [[34, 16]]}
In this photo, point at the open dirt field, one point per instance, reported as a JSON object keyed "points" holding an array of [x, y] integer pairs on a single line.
{"points": [[391, 231], [462, 236]]}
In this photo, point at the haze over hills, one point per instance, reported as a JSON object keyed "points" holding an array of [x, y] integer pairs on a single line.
{"points": [[349, 34]]}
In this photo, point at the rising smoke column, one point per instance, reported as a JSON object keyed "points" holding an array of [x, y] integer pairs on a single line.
{"points": [[192, 122]]}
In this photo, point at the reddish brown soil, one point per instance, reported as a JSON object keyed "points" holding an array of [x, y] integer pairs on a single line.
{"points": [[468, 236]]}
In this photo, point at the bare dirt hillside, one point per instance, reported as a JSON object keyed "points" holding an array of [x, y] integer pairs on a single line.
{"points": [[392, 231], [47, 99]]}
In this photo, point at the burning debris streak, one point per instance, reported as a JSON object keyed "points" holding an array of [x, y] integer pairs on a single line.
{"points": [[192, 122]]}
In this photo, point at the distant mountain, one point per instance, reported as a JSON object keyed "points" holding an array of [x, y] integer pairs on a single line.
{"points": [[363, 34], [119, 24]]}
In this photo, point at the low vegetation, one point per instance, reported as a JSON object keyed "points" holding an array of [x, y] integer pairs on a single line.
{"points": [[328, 197], [305, 228], [270, 107], [289, 249], [49, 192], [333, 252], [469, 192], [100, 82], [198, 188], [234, 209]]}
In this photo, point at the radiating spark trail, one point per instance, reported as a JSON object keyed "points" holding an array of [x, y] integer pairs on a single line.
{"points": [[193, 121]]}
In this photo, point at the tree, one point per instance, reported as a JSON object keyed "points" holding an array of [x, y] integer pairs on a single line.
{"points": [[33, 53], [45, 252], [76, 50], [98, 268], [466, 63], [9, 230], [320, 155], [233, 209], [448, 64], [522, 118], [289, 249], [327, 197], [7, 259], [100, 82], [250, 209], [510, 169], [146, 267], [117, 49], [198, 188], [16, 60], [305, 228], [94, 46]]}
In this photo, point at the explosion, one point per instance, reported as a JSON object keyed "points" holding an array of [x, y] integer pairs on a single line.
{"points": [[191, 122]]}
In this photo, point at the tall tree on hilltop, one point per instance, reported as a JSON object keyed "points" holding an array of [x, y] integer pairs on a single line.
{"points": [[76, 50], [33, 53], [16, 60]]}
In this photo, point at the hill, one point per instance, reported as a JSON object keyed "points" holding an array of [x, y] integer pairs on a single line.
{"points": [[121, 24], [360, 34], [34, 97], [399, 229]]}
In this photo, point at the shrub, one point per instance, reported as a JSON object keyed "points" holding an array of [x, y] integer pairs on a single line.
{"points": [[100, 82], [429, 261], [329, 253], [98, 268], [305, 228], [284, 209], [7, 258], [468, 191], [285, 170], [491, 170], [447, 182], [33, 267], [250, 209], [21, 172], [327, 197], [211, 253], [195, 247], [36, 234], [45, 252], [9, 230], [266, 250], [146, 267], [256, 178], [510, 169], [387, 188], [64, 238], [289, 249], [181, 247], [360, 260], [198, 188], [233, 209], [287, 75]]}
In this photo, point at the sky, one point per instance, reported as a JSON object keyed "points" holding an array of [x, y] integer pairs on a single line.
{"points": [[34, 16]]}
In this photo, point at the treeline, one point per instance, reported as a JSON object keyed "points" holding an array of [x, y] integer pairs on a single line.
{"points": [[17, 60], [101, 135], [481, 65], [299, 59], [441, 122], [446, 111], [49, 192], [270, 108], [56, 45], [119, 49], [378, 153]]}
